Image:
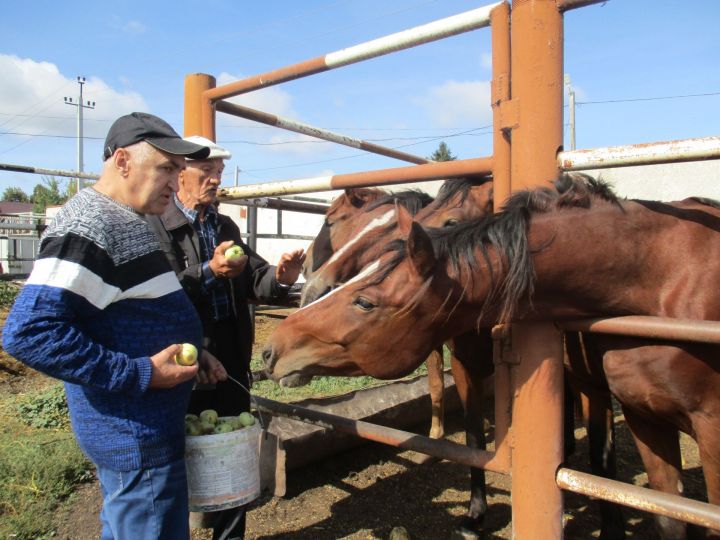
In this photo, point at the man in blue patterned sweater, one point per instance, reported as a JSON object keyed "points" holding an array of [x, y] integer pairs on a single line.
{"points": [[104, 312]]}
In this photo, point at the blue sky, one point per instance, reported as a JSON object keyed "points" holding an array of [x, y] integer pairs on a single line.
{"points": [[622, 56]]}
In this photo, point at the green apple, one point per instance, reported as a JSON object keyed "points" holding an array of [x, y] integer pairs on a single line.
{"points": [[246, 419], [236, 423], [206, 428], [210, 416], [193, 428], [187, 356], [233, 253], [191, 418], [223, 427]]}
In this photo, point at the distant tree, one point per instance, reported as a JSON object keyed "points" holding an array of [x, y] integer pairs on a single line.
{"points": [[15, 194], [47, 194], [442, 153]]}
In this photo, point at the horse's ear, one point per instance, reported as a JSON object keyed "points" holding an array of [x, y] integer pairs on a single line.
{"points": [[359, 197], [420, 249], [404, 219]]}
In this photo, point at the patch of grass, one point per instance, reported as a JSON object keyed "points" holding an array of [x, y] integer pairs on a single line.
{"points": [[39, 468], [8, 293], [46, 409], [319, 387]]}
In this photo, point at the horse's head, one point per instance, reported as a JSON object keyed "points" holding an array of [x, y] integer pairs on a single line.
{"points": [[382, 323], [361, 237], [459, 200]]}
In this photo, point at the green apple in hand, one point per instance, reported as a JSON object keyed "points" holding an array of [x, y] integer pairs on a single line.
{"points": [[187, 355], [233, 253]]}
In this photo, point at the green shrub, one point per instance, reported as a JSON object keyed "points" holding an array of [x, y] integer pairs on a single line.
{"points": [[8, 293], [45, 410]]}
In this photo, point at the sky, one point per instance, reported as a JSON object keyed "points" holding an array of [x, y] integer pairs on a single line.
{"points": [[642, 71]]}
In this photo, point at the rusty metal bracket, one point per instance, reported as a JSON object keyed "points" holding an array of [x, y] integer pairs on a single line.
{"points": [[509, 114], [503, 352]]}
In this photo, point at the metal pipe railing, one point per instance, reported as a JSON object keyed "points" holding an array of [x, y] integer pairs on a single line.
{"points": [[399, 175], [649, 327], [641, 154], [313, 131], [649, 500], [433, 31], [456, 453]]}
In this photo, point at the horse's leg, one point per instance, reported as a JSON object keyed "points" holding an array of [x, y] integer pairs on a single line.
{"points": [[584, 362], [659, 447], [601, 442], [436, 383], [471, 362], [708, 439]]}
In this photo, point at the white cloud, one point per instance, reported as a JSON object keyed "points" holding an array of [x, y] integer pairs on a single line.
{"points": [[134, 27], [458, 104], [486, 60], [33, 95]]}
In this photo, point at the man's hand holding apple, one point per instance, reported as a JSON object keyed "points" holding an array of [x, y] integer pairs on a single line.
{"points": [[166, 372], [223, 266]]}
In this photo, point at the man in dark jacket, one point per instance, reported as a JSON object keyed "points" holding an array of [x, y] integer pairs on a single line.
{"points": [[195, 237]]}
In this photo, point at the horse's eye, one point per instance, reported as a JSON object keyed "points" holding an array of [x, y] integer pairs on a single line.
{"points": [[327, 223], [363, 303], [450, 222]]}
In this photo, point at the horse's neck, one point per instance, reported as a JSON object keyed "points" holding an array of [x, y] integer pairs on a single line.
{"points": [[586, 262]]}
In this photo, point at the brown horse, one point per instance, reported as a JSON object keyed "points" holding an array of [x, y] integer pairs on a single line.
{"points": [[546, 255], [457, 200]]}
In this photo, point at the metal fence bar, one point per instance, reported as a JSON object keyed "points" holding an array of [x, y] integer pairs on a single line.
{"points": [[282, 204], [394, 437], [641, 154], [433, 31], [649, 500], [50, 172], [650, 327], [320, 133], [398, 175]]}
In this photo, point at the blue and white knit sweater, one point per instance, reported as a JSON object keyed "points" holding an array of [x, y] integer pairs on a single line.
{"points": [[100, 301]]}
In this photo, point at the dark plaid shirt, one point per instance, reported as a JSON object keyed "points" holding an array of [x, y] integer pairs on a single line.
{"points": [[207, 238]]}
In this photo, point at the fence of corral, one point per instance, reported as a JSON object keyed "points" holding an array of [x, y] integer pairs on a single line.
{"points": [[527, 102]]}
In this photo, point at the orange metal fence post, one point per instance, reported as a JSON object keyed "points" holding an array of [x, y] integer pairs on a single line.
{"points": [[537, 96], [199, 111]]}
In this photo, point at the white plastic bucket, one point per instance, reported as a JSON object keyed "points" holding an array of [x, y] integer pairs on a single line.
{"points": [[223, 469]]}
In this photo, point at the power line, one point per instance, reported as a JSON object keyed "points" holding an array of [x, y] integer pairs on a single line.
{"points": [[656, 98]]}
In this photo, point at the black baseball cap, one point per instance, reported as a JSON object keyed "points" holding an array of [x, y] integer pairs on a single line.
{"points": [[135, 127]]}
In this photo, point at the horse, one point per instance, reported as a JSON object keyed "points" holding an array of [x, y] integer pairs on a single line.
{"points": [[457, 200], [581, 253]]}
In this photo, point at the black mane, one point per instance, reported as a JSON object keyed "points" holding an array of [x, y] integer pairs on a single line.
{"points": [[506, 233], [413, 200], [455, 186]]}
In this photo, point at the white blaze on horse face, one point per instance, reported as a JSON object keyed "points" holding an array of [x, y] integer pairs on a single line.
{"points": [[367, 271], [375, 223]]}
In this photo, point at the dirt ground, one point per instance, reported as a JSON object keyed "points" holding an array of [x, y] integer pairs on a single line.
{"points": [[363, 493]]}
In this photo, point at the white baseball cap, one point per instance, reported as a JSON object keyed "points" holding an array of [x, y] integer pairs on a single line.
{"points": [[216, 151]]}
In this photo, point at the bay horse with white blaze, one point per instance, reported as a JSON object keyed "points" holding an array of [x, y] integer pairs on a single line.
{"points": [[546, 256]]}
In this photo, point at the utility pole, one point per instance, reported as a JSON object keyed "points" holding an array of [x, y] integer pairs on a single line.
{"points": [[80, 106], [571, 106], [237, 175]]}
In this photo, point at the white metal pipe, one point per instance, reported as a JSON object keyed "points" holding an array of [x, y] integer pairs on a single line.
{"points": [[442, 28], [640, 154], [450, 26], [49, 172]]}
